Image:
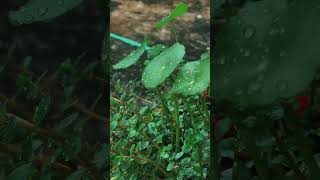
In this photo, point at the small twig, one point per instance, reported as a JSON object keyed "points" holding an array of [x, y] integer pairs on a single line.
{"points": [[89, 113], [38, 160], [164, 172], [21, 123]]}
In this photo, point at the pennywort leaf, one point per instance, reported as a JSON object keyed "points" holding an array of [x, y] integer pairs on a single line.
{"points": [[193, 78], [178, 11], [131, 59], [162, 66]]}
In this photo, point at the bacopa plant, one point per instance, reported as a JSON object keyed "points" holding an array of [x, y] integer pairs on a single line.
{"points": [[166, 137]]}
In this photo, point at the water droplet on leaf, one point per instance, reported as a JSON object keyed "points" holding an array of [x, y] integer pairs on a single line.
{"points": [[249, 32]]}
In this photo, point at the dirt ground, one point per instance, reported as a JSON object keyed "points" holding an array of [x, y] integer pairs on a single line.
{"points": [[135, 19]]}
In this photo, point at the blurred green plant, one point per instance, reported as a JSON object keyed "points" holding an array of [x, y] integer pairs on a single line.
{"points": [[265, 55], [45, 119]]}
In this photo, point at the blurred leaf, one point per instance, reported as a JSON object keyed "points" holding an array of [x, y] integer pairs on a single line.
{"points": [[23, 172], [67, 121], [178, 11], [101, 156], [41, 10], [266, 52], [222, 127], [76, 175], [42, 110]]}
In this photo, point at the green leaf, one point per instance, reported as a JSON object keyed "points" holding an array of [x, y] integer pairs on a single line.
{"points": [[179, 155], [162, 66], [23, 172], [185, 161], [222, 127], [76, 175], [170, 166], [156, 50], [42, 110], [267, 51], [178, 11], [67, 121], [131, 59], [41, 10], [133, 177], [193, 78], [132, 133], [113, 125], [164, 155], [132, 149], [101, 157], [73, 147]]}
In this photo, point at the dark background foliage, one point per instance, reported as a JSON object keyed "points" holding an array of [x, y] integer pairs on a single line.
{"points": [[53, 94]]}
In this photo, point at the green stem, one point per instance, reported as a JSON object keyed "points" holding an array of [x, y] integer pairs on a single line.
{"points": [[177, 123], [128, 41], [173, 29], [166, 111]]}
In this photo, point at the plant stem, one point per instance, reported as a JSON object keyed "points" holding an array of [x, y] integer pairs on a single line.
{"points": [[166, 111], [176, 103]]}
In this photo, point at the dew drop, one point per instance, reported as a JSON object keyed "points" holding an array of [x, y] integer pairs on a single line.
{"points": [[43, 11], [282, 85], [249, 32], [28, 18], [282, 30], [60, 2], [223, 60], [273, 32], [226, 80], [262, 65], [247, 53], [282, 53], [239, 92], [255, 86]]}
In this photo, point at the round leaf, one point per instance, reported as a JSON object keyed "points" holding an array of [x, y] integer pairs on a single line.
{"points": [[162, 66], [193, 78]]}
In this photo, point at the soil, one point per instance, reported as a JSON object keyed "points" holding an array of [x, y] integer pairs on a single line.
{"points": [[135, 19]]}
